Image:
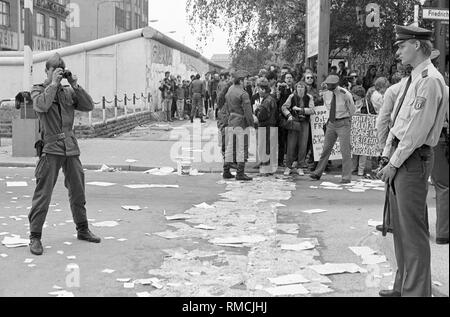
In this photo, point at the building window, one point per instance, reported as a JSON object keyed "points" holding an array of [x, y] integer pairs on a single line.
{"points": [[40, 24], [52, 28], [22, 16], [138, 21], [4, 13], [128, 16], [63, 30]]}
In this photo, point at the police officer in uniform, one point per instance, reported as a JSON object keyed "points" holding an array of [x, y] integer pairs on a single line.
{"points": [[240, 118], [55, 106], [341, 106], [417, 122]]}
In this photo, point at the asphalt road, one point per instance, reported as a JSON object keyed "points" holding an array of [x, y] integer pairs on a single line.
{"points": [[344, 224]]}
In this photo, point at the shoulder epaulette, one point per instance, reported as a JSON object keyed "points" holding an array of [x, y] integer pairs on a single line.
{"points": [[425, 73]]}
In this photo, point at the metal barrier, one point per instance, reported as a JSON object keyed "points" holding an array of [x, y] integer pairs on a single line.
{"points": [[135, 104]]}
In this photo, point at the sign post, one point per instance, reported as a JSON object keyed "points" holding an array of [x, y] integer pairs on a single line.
{"points": [[25, 130], [440, 15]]}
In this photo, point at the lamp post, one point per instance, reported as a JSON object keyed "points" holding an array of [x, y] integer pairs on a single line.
{"points": [[103, 2]]}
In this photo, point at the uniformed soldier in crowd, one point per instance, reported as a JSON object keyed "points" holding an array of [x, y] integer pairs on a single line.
{"points": [[341, 107], [55, 106], [197, 93], [417, 122], [240, 118]]}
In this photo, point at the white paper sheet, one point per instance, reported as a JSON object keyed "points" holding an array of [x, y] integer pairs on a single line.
{"points": [[286, 290], [108, 224], [288, 279], [131, 208], [16, 184], [314, 211], [101, 184], [337, 268]]}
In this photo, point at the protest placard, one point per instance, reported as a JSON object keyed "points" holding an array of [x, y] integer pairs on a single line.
{"points": [[318, 136], [364, 140]]}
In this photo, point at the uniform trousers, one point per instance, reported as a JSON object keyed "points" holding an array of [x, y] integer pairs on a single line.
{"points": [[46, 174], [440, 176], [196, 110], [410, 224]]}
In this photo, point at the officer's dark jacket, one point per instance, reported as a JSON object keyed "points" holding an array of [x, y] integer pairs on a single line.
{"points": [[55, 107], [240, 108]]}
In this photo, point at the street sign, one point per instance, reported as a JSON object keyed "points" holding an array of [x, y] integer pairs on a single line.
{"points": [[435, 14], [312, 28]]}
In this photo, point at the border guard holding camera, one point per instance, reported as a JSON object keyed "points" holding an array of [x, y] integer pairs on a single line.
{"points": [[55, 106], [416, 125]]}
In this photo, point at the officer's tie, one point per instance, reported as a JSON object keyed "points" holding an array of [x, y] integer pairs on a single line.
{"points": [[400, 103], [333, 109]]}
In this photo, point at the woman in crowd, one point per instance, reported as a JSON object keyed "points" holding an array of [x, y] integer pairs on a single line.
{"points": [[266, 113], [297, 110], [369, 79]]}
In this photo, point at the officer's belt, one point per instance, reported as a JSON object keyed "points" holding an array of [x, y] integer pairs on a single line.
{"points": [[396, 141], [57, 137]]}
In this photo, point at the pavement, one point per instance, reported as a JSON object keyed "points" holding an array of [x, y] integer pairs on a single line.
{"points": [[343, 225]]}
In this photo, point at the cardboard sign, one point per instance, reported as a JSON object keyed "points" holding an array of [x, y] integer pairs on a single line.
{"points": [[318, 136], [364, 140]]}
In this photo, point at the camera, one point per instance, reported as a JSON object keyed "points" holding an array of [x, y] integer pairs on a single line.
{"points": [[67, 74]]}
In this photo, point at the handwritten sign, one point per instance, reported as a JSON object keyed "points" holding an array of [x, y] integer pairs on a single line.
{"points": [[318, 136], [364, 140]]}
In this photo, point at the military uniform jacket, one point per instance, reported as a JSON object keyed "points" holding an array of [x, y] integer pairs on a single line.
{"points": [[239, 107], [197, 87], [421, 117], [55, 107], [345, 106]]}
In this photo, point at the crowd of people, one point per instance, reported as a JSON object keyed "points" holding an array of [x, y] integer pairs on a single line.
{"points": [[296, 94]]}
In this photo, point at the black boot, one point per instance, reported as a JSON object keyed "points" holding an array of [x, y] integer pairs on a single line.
{"points": [[36, 246], [86, 235], [244, 178], [227, 175], [240, 175]]}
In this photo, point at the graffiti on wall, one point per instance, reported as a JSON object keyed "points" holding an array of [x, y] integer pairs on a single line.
{"points": [[161, 54], [383, 60]]}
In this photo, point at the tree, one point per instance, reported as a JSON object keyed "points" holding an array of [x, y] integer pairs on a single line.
{"points": [[251, 60], [261, 25]]}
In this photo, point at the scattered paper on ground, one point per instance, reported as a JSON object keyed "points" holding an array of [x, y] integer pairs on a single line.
{"points": [[297, 289], [101, 184], [337, 268], [314, 211], [106, 224], [62, 294], [288, 279], [16, 184], [15, 242], [132, 208]]}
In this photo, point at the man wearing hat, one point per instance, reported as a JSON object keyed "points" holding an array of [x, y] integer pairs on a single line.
{"points": [[236, 134], [416, 125], [55, 106], [341, 107]]}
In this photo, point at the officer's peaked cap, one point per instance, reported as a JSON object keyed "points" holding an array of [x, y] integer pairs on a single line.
{"points": [[241, 74], [411, 32], [332, 80]]}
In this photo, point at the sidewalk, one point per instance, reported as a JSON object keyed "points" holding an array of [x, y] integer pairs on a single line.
{"points": [[149, 146]]}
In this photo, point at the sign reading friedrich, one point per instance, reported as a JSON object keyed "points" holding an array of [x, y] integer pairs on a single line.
{"points": [[364, 139]]}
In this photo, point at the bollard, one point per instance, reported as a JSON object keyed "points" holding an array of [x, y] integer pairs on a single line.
{"points": [[90, 118], [134, 103], [115, 107], [104, 108], [149, 96]]}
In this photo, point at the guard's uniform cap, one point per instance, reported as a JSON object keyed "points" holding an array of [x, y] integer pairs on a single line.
{"points": [[241, 74], [411, 32], [332, 80]]}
